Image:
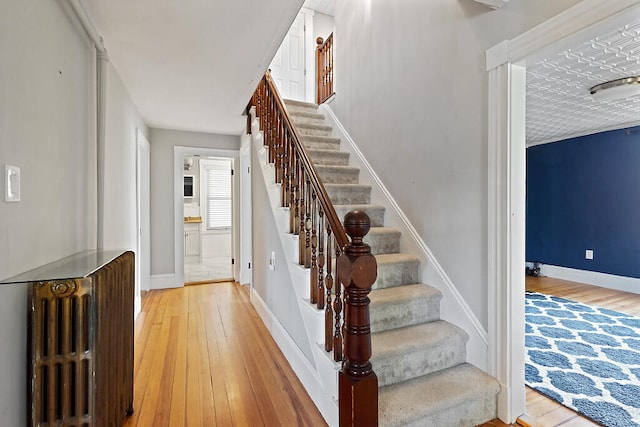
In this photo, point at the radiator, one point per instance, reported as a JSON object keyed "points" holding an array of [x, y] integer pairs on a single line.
{"points": [[81, 347]]}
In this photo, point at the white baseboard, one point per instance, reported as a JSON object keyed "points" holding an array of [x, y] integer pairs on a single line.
{"points": [[137, 306], [307, 375], [164, 281], [453, 307], [604, 280]]}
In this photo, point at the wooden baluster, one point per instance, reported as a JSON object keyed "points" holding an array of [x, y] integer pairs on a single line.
{"points": [[272, 122], [321, 232], [296, 194], [328, 309], [293, 159], [338, 354], [302, 231], [313, 279], [357, 383], [285, 165], [307, 224]]}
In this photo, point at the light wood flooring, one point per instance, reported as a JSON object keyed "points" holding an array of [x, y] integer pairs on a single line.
{"points": [[204, 358]]}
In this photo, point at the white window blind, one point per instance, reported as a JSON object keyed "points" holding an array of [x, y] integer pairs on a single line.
{"points": [[218, 213]]}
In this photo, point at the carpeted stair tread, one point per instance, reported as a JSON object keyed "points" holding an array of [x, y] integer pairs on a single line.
{"points": [[396, 270], [413, 351], [298, 114], [462, 396], [337, 174], [402, 306], [375, 212], [348, 193], [294, 103], [321, 142], [328, 157], [383, 240], [322, 127], [299, 120]]}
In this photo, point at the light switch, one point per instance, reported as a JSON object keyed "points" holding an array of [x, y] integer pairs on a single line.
{"points": [[12, 183], [588, 254]]}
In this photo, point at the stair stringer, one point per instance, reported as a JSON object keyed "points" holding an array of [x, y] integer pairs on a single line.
{"points": [[320, 376], [453, 307]]}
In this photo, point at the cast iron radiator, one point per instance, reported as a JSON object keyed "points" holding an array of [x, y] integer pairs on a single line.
{"points": [[81, 347]]}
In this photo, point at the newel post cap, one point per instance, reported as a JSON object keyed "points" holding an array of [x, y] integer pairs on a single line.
{"points": [[356, 266]]}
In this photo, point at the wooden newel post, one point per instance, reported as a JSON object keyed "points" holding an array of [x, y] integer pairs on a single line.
{"points": [[319, 69], [357, 383]]}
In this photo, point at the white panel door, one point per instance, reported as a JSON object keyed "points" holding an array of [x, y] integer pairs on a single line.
{"points": [[287, 67]]}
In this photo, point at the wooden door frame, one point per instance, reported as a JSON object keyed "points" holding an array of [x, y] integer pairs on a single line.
{"points": [[506, 67]]}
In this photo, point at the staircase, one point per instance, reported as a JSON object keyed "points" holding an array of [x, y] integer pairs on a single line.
{"points": [[418, 358]]}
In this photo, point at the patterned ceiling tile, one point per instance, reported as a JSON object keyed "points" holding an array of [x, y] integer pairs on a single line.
{"points": [[559, 104]]}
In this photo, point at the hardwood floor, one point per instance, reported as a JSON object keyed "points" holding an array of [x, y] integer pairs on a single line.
{"points": [[204, 358]]}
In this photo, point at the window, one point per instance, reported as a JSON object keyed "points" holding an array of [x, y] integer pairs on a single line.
{"points": [[217, 201]]}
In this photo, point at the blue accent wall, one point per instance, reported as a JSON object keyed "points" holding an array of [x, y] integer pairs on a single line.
{"points": [[584, 193]]}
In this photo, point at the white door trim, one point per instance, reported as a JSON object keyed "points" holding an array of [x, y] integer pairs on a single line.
{"points": [[506, 66], [178, 201], [143, 220]]}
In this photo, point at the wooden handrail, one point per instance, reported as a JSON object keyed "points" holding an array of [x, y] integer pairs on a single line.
{"points": [[324, 68], [326, 249], [329, 210]]}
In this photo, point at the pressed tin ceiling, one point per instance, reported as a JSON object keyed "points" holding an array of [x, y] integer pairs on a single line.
{"points": [[559, 104]]}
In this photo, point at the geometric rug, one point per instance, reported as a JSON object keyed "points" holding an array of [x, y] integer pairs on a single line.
{"points": [[586, 358]]}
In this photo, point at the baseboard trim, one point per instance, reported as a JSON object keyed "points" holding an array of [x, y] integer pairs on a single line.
{"points": [[604, 280], [164, 281], [478, 344], [137, 306], [298, 361]]}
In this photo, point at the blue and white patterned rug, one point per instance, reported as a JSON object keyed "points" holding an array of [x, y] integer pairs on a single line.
{"points": [[584, 357]]}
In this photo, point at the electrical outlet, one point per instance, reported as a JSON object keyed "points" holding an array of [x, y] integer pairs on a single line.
{"points": [[272, 261], [588, 254]]}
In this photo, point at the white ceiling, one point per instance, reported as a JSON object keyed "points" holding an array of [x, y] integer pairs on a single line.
{"points": [[322, 6], [559, 104], [192, 65]]}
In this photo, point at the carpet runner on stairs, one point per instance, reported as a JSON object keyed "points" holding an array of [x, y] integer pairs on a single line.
{"points": [[418, 358]]}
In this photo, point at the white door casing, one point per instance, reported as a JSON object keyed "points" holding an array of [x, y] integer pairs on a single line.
{"points": [[143, 210]]}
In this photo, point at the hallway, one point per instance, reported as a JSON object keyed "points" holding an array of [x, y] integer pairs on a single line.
{"points": [[204, 358]]}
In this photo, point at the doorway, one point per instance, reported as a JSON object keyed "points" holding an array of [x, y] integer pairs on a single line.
{"points": [[506, 65], [184, 207], [208, 219]]}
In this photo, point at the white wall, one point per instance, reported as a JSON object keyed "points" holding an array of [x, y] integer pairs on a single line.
{"points": [[275, 286], [412, 91], [162, 210], [121, 121], [322, 25], [47, 71]]}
